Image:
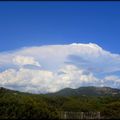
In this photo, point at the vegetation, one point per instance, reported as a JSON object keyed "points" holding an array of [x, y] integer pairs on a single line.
{"points": [[18, 105]]}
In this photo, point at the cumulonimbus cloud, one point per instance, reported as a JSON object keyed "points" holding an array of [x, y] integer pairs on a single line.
{"points": [[46, 81], [50, 68]]}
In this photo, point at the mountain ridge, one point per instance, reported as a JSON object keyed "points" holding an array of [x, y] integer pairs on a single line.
{"points": [[81, 91], [87, 91]]}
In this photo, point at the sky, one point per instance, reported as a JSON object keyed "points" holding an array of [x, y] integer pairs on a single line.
{"points": [[47, 46]]}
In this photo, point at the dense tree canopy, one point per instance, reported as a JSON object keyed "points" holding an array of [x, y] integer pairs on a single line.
{"points": [[17, 105]]}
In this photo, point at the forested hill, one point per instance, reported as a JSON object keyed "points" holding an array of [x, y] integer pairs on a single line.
{"points": [[20, 105], [87, 91], [81, 91]]}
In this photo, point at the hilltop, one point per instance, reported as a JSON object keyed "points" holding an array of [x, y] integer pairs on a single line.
{"points": [[87, 91]]}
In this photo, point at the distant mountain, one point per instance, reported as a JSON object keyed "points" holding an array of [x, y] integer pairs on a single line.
{"points": [[87, 91], [81, 91]]}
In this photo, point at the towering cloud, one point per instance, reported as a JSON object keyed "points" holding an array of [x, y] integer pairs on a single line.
{"points": [[53, 67]]}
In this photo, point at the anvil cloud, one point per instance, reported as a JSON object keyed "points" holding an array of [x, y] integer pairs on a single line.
{"points": [[49, 68]]}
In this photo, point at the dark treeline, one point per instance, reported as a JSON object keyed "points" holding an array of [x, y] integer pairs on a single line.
{"points": [[17, 105]]}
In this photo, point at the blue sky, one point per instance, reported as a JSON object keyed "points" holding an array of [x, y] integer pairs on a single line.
{"points": [[48, 46], [39, 23]]}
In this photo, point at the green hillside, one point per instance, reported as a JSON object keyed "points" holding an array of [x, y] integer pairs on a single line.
{"points": [[18, 105], [87, 91]]}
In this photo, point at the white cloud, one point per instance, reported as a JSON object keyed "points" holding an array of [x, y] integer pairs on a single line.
{"points": [[23, 60], [61, 66], [112, 81], [45, 81], [71, 76], [26, 79], [89, 56]]}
